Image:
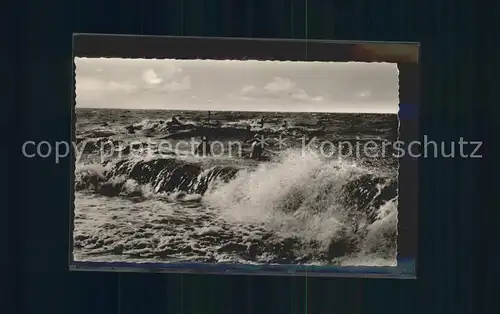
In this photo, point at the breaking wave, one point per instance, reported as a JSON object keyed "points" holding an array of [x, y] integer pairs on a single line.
{"points": [[317, 207]]}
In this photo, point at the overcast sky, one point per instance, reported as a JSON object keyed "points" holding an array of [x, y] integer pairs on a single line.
{"points": [[236, 85]]}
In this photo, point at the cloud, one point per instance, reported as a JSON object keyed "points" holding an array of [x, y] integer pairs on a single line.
{"points": [[278, 88], [176, 86], [167, 72], [150, 77], [364, 94], [279, 85], [98, 85], [248, 88], [156, 77], [302, 95], [170, 70]]}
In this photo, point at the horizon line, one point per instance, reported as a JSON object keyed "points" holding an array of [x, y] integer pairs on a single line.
{"points": [[227, 110]]}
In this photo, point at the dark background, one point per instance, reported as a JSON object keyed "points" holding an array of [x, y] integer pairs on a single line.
{"points": [[457, 255]]}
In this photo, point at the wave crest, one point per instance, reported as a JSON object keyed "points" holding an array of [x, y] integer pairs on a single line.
{"points": [[165, 175], [316, 206]]}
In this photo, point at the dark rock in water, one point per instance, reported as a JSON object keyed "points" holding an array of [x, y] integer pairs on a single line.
{"points": [[232, 248], [118, 249], [340, 247], [252, 251], [109, 189], [130, 129], [135, 194]]}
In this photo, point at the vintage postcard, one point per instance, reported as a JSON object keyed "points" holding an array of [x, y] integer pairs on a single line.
{"points": [[236, 162]]}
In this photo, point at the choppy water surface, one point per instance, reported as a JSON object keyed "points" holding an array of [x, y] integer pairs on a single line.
{"points": [[295, 207]]}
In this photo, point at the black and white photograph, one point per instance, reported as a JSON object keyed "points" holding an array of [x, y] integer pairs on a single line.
{"points": [[236, 162]]}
